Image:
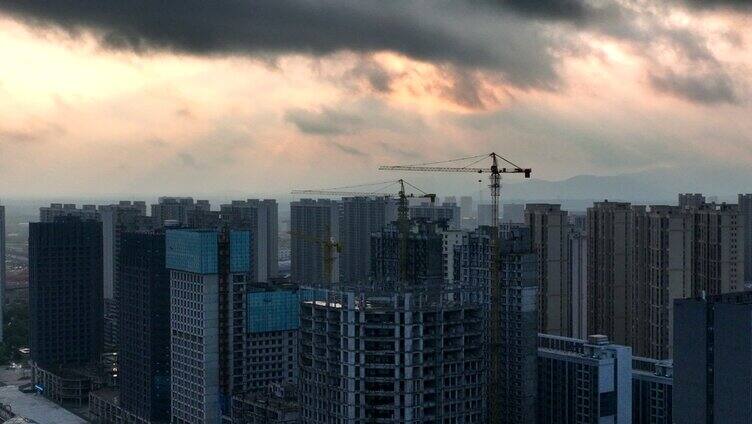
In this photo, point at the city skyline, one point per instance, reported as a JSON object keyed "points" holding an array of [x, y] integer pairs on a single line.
{"points": [[359, 211], [197, 96]]}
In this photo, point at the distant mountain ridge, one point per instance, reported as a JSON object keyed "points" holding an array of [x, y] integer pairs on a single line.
{"points": [[659, 186]]}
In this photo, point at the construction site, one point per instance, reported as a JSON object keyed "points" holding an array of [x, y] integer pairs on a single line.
{"points": [[405, 347]]}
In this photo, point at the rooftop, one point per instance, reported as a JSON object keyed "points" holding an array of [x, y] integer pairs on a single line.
{"points": [[36, 407]]}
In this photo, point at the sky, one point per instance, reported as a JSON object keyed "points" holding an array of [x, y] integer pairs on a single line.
{"points": [[265, 96]]}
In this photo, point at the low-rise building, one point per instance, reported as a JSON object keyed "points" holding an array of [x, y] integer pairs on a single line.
{"points": [[278, 404]]}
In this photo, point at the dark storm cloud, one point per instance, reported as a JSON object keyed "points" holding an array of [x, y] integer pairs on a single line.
{"points": [[378, 78], [348, 118], [440, 31], [326, 122], [349, 150], [569, 10], [714, 4], [711, 88]]}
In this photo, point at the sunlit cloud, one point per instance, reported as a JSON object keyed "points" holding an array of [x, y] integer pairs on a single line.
{"points": [[633, 87]]}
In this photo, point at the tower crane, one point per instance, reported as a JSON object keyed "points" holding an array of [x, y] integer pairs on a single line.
{"points": [[469, 164], [332, 248], [403, 211]]}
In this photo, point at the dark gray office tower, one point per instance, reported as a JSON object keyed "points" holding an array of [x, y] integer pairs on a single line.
{"points": [[314, 228], [362, 216], [144, 321], [652, 391], [424, 260], [65, 292], [609, 270], [261, 218], [713, 359]]}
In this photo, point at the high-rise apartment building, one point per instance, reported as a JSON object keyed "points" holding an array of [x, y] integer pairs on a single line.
{"points": [[512, 213], [117, 219], [177, 209], [578, 255], [273, 316], [652, 391], [549, 228], [209, 271], [515, 387], [452, 239], [485, 215], [395, 351], [716, 248], [691, 200], [261, 218], [65, 292], [745, 208], [2, 269], [396, 355], [713, 359], [466, 206], [519, 326], [424, 262], [144, 328], [314, 228], [472, 259], [578, 221], [49, 213], [583, 382], [609, 270], [640, 259], [659, 276], [448, 212], [361, 217]]}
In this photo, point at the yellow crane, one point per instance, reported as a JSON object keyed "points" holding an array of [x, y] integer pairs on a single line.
{"points": [[403, 211], [469, 164], [332, 248]]}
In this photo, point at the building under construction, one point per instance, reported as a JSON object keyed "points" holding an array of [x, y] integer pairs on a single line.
{"points": [[403, 348], [392, 354]]}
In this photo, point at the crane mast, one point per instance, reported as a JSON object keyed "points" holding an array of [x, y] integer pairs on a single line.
{"points": [[403, 222], [331, 247], [403, 214], [494, 171]]}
